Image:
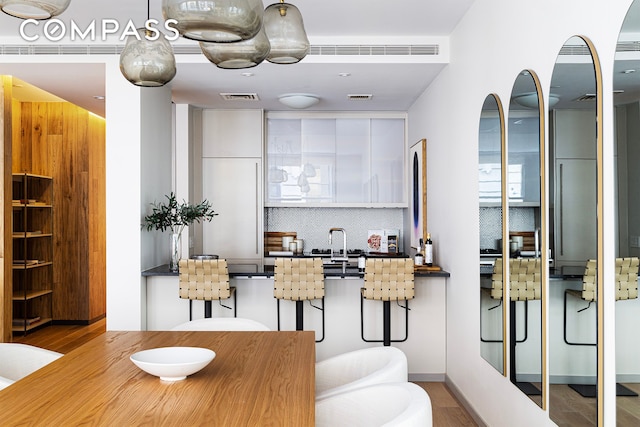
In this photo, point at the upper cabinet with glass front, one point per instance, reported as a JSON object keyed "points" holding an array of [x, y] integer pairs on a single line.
{"points": [[345, 160]]}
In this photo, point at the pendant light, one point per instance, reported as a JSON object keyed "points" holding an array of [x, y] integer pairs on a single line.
{"points": [[242, 54], [147, 58], [285, 30], [34, 9], [220, 21]]}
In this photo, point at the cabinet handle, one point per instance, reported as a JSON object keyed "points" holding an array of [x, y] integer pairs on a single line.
{"points": [[257, 209], [561, 211]]}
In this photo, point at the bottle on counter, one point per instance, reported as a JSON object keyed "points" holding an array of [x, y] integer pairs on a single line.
{"points": [[419, 257], [428, 251], [362, 261]]}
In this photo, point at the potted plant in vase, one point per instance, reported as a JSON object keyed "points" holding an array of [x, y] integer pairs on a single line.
{"points": [[174, 216]]}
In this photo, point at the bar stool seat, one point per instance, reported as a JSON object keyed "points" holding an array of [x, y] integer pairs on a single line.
{"points": [[386, 280], [206, 280], [299, 279]]}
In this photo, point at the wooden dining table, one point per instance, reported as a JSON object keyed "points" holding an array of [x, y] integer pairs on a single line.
{"points": [[255, 379]]}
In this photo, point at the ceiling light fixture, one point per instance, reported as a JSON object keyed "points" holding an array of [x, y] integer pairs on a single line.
{"points": [[299, 101], [220, 21], [530, 100], [34, 9], [147, 59], [285, 30]]}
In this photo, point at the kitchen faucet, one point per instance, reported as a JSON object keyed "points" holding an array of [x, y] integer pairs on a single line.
{"points": [[344, 258]]}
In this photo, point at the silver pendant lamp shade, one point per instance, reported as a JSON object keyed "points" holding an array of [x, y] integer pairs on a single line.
{"points": [[147, 62], [285, 30], [220, 21], [242, 54], [34, 9]]}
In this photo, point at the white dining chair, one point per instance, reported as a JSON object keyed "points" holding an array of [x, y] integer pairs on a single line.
{"points": [[19, 360], [360, 368], [391, 405], [222, 324]]}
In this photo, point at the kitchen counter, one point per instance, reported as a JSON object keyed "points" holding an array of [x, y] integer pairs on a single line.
{"points": [[266, 271], [425, 347]]}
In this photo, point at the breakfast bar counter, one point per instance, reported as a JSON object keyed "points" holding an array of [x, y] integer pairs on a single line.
{"points": [[425, 346]]}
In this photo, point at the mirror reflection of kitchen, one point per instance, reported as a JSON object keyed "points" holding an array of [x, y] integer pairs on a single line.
{"points": [[626, 97], [524, 220], [490, 184], [573, 236]]}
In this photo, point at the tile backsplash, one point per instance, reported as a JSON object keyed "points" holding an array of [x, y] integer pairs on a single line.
{"points": [[520, 219], [313, 224]]}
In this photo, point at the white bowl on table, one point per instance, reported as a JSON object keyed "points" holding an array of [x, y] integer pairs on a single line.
{"points": [[173, 363]]}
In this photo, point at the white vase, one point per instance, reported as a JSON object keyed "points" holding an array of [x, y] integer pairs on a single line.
{"points": [[175, 252]]}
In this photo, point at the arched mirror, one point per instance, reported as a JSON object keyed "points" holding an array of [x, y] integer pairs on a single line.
{"points": [[522, 242], [573, 236], [626, 85], [491, 187]]}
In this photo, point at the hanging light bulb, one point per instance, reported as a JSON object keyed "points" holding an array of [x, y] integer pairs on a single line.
{"points": [[285, 30], [147, 62], [242, 54], [34, 9], [220, 21]]}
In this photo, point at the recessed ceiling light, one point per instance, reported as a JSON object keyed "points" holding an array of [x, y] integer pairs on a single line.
{"points": [[629, 71], [344, 74], [246, 74], [99, 97]]}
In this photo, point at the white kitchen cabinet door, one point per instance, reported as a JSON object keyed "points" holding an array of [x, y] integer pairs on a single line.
{"points": [[574, 133], [233, 186], [387, 161], [232, 133], [575, 212]]}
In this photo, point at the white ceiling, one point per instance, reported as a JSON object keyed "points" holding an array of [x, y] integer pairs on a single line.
{"points": [[394, 84]]}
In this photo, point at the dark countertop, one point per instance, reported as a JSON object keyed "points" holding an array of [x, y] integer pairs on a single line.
{"points": [[568, 272], [255, 270]]}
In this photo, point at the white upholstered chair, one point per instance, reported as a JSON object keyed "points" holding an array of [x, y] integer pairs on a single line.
{"points": [[392, 404], [360, 368], [221, 324], [19, 360]]}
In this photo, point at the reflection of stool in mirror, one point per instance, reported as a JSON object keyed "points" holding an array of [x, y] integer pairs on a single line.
{"points": [[524, 285], [626, 288], [386, 280], [299, 279], [206, 280], [495, 293]]}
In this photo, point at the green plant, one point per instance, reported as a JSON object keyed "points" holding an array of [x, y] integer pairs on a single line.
{"points": [[175, 216]]}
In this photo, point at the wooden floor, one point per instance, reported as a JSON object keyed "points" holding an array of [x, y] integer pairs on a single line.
{"points": [[447, 411]]}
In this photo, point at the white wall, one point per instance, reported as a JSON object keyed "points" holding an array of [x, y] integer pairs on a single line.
{"points": [[490, 46]]}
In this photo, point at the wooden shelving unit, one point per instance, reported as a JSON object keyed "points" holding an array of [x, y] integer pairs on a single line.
{"points": [[32, 251]]}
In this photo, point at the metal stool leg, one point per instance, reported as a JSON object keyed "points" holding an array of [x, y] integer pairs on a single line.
{"points": [[386, 320], [299, 316]]}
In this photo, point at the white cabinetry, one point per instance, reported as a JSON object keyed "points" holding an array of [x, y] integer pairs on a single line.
{"points": [[574, 138], [232, 133], [232, 182], [321, 160]]}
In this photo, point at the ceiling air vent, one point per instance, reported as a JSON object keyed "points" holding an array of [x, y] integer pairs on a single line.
{"points": [[586, 97], [240, 96], [359, 97]]}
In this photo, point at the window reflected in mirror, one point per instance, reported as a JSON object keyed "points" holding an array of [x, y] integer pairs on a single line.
{"points": [[573, 355], [522, 240], [626, 98], [490, 190]]}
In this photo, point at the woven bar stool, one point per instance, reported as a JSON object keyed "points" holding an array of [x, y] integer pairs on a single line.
{"points": [[386, 280], [299, 279], [626, 288], [207, 280]]}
